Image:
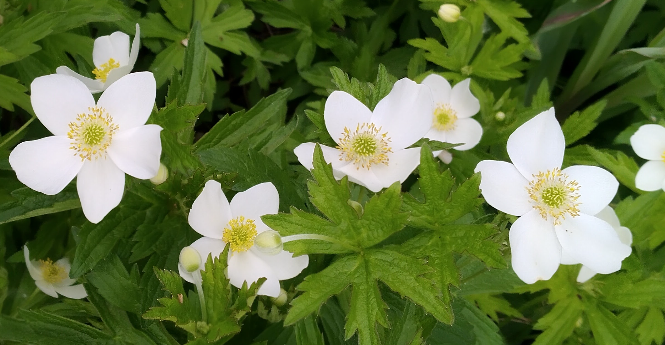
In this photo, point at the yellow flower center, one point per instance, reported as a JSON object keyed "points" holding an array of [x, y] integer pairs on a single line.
{"points": [[554, 196], [662, 156], [445, 118], [240, 234], [52, 272], [364, 146], [91, 133], [102, 72]]}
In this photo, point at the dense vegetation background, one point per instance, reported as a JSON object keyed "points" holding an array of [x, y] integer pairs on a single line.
{"points": [[243, 82]]}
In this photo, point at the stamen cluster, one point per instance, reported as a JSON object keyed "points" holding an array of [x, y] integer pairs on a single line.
{"points": [[52, 272], [240, 234], [552, 195], [364, 146], [102, 72], [445, 118], [92, 133]]}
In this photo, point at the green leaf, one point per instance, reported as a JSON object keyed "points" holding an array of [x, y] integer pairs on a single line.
{"points": [[17, 37], [579, 125], [193, 74], [494, 61], [13, 93], [606, 327], [503, 13], [308, 333], [471, 327], [622, 166], [38, 327], [27, 203], [179, 12], [179, 307], [115, 284], [560, 322], [652, 328]]}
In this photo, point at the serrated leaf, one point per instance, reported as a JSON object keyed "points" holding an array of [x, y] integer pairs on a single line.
{"points": [[471, 327], [606, 327], [622, 166], [115, 284], [560, 322], [308, 333], [652, 328], [40, 327], [27, 203], [579, 125], [13, 93], [184, 314], [494, 61], [193, 74], [179, 12], [503, 13]]}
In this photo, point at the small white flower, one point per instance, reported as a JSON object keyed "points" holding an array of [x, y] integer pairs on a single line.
{"points": [[372, 146], [649, 143], [555, 206], [98, 143], [112, 59], [53, 277], [608, 215], [451, 120], [238, 223]]}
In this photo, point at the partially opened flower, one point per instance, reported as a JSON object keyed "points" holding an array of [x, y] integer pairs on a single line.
{"points": [[113, 60], [607, 214], [53, 277], [239, 223], [451, 120], [372, 145], [98, 143], [556, 207], [649, 143]]}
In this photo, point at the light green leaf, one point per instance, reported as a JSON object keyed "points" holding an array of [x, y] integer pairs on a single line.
{"points": [[579, 125]]}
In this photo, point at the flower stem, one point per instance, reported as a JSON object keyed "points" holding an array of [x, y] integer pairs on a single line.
{"points": [[320, 238], [9, 139], [198, 280]]}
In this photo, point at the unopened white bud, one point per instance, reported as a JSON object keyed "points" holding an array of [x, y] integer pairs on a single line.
{"points": [[449, 13], [161, 176], [190, 259], [446, 156], [281, 299], [269, 242], [500, 116], [185, 42]]}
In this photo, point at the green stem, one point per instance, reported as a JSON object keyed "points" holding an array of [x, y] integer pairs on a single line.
{"points": [[9, 139], [198, 280]]}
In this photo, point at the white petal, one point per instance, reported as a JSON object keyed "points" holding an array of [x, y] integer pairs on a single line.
{"points": [[246, 266], [625, 236], [255, 202], [57, 99], [504, 187], [437, 135], [405, 113], [593, 242], [597, 187], [305, 154], [46, 288], [649, 142], [114, 46], [205, 246], [130, 100], [73, 291], [585, 274], [100, 184], [536, 252], [344, 111], [651, 176], [567, 258], [115, 75], [467, 132], [440, 88], [35, 273], [210, 212], [445, 156], [136, 151], [463, 101], [607, 214], [400, 165], [46, 165], [364, 177], [284, 265], [537, 145], [93, 85], [136, 45]]}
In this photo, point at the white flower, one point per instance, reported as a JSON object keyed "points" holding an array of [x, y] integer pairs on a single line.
{"points": [[53, 277], [238, 224], [449, 13], [112, 59], [649, 143], [451, 120], [556, 207], [99, 143], [372, 146], [607, 214]]}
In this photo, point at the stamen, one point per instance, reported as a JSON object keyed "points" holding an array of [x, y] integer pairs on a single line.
{"points": [[102, 72], [240, 234], [365, 146], [92, 133], [554, 196], [52, 272], [445, 118]]}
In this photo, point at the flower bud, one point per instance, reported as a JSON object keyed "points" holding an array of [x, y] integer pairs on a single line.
{"points": [[449, 13], [446, 156], [281, 299], [161, 175], [190, 259], [500, 116], [185, 42], [269, 242]]}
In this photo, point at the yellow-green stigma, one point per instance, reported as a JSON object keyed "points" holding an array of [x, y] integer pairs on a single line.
{"points": [[91, 133], [240, 234], [554, 196], [445, 118], [52, 272], [364, 146], [102, 72]]}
